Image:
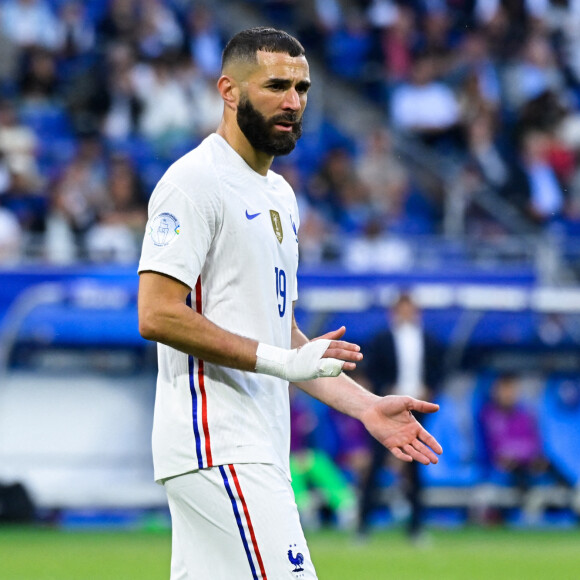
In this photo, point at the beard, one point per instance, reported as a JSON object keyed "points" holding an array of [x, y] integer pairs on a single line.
{"points": [[262, 134]]}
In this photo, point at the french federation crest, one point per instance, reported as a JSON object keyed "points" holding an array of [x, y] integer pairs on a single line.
{"points": [[296, 561], [277, 225]]}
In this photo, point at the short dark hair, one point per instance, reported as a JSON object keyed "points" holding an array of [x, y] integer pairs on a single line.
{"points": [[245, 44]]}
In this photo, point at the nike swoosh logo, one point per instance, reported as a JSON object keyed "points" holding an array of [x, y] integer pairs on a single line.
{"points": [[251, 216]]}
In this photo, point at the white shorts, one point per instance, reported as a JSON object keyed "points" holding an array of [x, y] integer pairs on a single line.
{"points": [[236, 522]]}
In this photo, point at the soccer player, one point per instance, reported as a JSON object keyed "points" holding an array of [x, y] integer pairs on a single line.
{"points": [[217, 291]]}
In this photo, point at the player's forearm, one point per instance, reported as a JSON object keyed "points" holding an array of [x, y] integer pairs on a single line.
{"points": [[187, 331], [340, 393], [164, 317]]}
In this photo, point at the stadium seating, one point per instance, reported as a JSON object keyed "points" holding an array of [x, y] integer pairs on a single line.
{"points": [[559, 414]]}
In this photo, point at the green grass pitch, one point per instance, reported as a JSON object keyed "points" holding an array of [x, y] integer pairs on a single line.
{"points": [[469, 554]]}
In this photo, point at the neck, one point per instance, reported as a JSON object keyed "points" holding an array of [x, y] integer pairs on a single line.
{"points": [[259, 161]]}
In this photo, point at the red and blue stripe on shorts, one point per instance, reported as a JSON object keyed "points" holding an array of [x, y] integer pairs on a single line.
{"points": [[245, 527]]}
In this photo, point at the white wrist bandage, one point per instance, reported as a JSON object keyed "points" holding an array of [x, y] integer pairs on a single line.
{"points": [[299, 364]]}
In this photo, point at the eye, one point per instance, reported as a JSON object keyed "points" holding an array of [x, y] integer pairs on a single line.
{"points": [[302, 88]]}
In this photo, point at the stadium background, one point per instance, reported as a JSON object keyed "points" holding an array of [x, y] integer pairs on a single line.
{"points": [[466, 195]]}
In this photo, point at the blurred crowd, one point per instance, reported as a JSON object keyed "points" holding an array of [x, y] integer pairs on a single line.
{"points": [[490, 86], [98, 98]]}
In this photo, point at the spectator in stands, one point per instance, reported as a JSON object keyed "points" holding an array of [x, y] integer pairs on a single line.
{"points": [[534, 186], [158, 30], [11, 240], [9, 62], [316, 20], [535, 72], [349, 48], [544, 113], [317, 235], [115, 235], [426, 107], [319, 238], [119, 24], [30, 23], [4, 175], [484, 156], [339, 193], [508, 23], [383, 173], [111, 244], [26, 199], [39, 83], [75, 31], [478, 78], [165, 118], [127, 199], [323, 187], [437, 38], [472, 103], [566, 26], [562, 158], [512, 439], [404, 359], [398, 39], [568, 137], [76, 198], [381, 13], [354, 203], [204, 41], [205, 103], [79, 194], [92, 151], [18, 143], [62, 244], [376, 250], [118, 107]]}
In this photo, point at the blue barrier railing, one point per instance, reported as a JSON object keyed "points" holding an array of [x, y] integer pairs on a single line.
{"points": [[97, 304]]}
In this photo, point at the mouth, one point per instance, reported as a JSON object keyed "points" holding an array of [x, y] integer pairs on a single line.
{"points": [[284, 126]]}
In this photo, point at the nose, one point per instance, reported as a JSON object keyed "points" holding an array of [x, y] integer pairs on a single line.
{"points": [[292, 100]]}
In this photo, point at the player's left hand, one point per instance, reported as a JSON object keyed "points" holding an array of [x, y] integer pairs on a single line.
{"points": [[390, 421]]}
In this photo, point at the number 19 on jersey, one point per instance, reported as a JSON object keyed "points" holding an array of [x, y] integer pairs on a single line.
{"points": [[281, 290]]}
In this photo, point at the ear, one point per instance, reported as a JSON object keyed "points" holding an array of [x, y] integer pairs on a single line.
{"points": [[229, 90]]}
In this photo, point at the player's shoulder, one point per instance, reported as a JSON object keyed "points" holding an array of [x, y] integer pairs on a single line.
{"points": [[197, 167], [192, 179]]}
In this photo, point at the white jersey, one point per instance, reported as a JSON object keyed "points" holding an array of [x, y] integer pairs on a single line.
{"points": [[230, 234]]}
